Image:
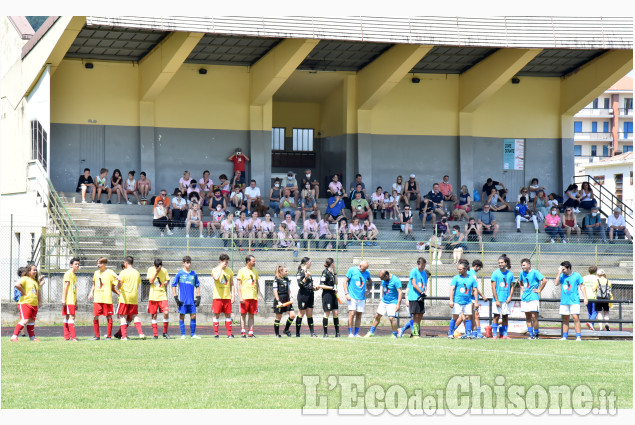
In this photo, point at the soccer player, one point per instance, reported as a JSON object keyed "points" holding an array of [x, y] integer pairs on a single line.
{"points": [[248, 295], [282, 296], [391, 295], [223, 297], [570, 299], [330, 301], [306, 296], [128, 308], [461, 289], [105, 282], [30, 287], [477, 265], [532, 283], [69, 300], [502, 288], [417, 285], [187, 280], [356, 290], [158, 299]]}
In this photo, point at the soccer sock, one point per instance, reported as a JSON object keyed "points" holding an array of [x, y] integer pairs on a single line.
{"points": [[478, 331], [71, 328], [577, 335], [415, 329], [536, 331], [123, 329], [565, 335], [504, 330], [336, 323], [530, 331], [356, 331], [450, 327], [109, 328], [372, 329], [325, 324], [96, 327], [288, 325], [192, 327], [155, 328], [215, 324], [182, 326], [407, 326], [166, 323], [30, 329], [66, 333], [298, 325], [468, 327], [309, 320], [251, 332], [350, 331], [18, 329], [137, 325], [243, 331], [495, 328], [394, 333], [276, 326], [228, 326]]}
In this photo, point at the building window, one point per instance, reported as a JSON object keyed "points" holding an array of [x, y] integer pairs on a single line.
{"points": [[631, 178], [628, 104], [594, 127], [594, 150], [577, 150], [303, 139], [577, 126], [277, 138], [605, 126], [628, 128], [605, 150], [627, 148], [595, 103], [39, 144], [599, 179], [607, 103]]}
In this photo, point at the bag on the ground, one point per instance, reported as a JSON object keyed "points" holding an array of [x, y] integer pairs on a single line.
{"points": [[604, 291], [396, 226]]}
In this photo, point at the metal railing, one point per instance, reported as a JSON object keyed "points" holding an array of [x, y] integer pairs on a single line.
{"points": [[606, 199]]}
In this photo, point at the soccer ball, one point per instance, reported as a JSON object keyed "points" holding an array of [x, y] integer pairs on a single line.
{"points": [[144, 202]]}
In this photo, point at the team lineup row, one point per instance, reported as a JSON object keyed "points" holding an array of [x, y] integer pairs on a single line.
{"points": [[185, 288]]}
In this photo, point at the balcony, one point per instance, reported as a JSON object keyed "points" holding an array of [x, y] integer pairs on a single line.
{"points": [[595, 112], [626, 112], [589, 136], [625, 137], [580, 159]]}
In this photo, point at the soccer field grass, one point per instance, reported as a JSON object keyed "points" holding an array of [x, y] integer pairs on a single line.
{"points": [[267, 372]]}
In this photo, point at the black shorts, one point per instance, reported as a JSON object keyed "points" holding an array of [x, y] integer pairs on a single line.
{"points": [[601, 306], [305, 301], [413, 196], [417, 307], [329, 301], [280, 310]]}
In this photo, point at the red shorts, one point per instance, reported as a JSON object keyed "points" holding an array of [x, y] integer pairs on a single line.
{"points": [[222, 306], [249, 306], [363, 215], [160, 306], [102, 309], [27, 311], [68, 309], [127, 309]]}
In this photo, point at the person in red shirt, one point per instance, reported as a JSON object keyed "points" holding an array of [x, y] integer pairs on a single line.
{"points": [[239, 159]]}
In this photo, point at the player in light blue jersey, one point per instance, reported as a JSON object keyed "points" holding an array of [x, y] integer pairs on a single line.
{"points": [[187, 282], [356, 288], [570, 299], [391, 295], [477, 265], [532, 283], [462, 288], [421, 262], [502, 289]]}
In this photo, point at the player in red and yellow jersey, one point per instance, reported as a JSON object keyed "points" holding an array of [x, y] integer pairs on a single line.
{"points": [[223, 294], [128, 309], [105, 282], [248, 294], [30, 286], [158, 299], [69, 300]]}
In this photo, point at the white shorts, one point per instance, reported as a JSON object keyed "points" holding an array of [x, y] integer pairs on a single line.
{"points": [[567, 310], [389, 310], [465, 309], [503, 311], [528, 306], [356, 305]]}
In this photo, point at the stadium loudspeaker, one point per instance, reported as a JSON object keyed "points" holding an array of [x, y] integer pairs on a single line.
{"points": [[202, 71], [415, 80], [88, 65], [515, 80]]}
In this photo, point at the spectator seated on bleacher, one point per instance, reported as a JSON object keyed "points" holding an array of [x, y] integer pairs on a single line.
{"points": [[324, 232], [313, 182], [342, 232], [496, 202], [275, 194], [291, 183], [252, 194], [487, 222], [225, 186], [163, 197], [570, 224], [193, 191], [217, 216], [267, 231], [335, 208], [432, 205], [132, 188], [392, 204], [86, 184], [553, 225], [524, 214], [355, 230], [534, 188], [206, 185], [540, 205], [462, 207], [377, 203], [455, 242], [472, 232], [491, 184], [217, 200], [238, 179], [617, 226], [592, 225], [291, 225], [359, 207], [310, 229], [228, 229], [412, 191], [161, 219], [194, 218], [179, 209], [405, 220], [237, 200], [145, 186], [335, 186], [398, 186], [370, 232], [184, 182], [572, 198], [116, 183], [288, 205], [284, 239], [308, 203], [242, 227], [353, 187], [101, 185], [446, 189], [587, 198], [239, 159]]}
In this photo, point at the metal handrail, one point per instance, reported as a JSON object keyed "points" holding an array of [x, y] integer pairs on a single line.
{"points": [[613, 200], [62, 219]]}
